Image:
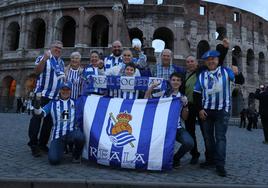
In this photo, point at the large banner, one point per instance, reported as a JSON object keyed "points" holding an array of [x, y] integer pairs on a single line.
{"points": [[131, 133]]}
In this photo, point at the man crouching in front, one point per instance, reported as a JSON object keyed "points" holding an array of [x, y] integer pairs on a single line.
{"points": [[64, 129]]}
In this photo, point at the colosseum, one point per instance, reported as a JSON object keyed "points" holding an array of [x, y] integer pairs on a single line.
{"points": [[27, 27]]}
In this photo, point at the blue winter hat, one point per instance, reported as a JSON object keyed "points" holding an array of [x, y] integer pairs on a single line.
{"points": [[210, 53], [66, 84]]}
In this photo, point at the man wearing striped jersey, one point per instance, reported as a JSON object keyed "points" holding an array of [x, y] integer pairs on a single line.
{"points": [[115, 58], [73, 74], [213, 87], [64, 130], [50, 68]]}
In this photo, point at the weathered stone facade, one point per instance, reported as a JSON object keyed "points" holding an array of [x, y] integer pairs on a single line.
{"points": [[29, 26]]}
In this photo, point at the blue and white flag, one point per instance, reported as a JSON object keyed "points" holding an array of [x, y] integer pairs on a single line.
{"points": [[136, 134]]}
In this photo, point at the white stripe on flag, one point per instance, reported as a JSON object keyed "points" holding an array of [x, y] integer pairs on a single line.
{"points": [[105, 143], [158, 135], [90, 106], [136, 122]]}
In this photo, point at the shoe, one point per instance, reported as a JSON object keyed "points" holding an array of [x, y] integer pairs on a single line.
{"points": [[194, 160], [176, 164], [76, 160], [207, 165], [221, 171], [35, 151], [265, 142], [44, 149]]}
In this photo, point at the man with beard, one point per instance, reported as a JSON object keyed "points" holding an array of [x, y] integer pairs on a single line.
{"points": [[115, 58]]}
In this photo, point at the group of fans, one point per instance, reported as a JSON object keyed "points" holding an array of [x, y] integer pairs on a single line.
{"points": [[204, 92]]}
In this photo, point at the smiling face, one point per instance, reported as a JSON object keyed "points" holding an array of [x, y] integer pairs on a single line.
{"points": [[129, 71], [75, 62], [65, 93], [117, 48], [175, 83], [94, 59], [127, 56], [56, 50], [212, 63], [166, 57]]}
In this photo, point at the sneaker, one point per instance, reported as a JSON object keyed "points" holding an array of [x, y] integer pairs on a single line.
{"points": [[221, 171], [176, 164], [76, 160], [265, 142], [207, 165], [35, 151], [194, 160]]}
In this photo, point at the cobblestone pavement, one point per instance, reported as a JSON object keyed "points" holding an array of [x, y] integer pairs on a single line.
{"points": [[247, 161]]}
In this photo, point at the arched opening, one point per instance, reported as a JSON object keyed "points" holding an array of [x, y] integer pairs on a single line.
{"points": [[99, 31], [136, 33], [220, 33], [166, 35], [250, 65], [37, 34], [158, 45], [65, 31], [7, 93], [202, 48], [237, 56], [12, 37], [261, 67], [237, 102]]}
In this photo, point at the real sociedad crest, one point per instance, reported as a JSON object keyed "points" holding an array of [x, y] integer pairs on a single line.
{"points": [[119, 130]]}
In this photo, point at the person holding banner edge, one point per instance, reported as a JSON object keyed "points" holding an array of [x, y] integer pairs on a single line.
{"points": [[182, 136]]}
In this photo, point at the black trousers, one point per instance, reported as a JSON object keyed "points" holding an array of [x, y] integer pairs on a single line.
{"points": [[35, 126], [190, 124], [264, 121]]}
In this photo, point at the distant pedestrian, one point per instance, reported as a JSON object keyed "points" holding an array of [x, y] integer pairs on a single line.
{"points": [[243, 116]]}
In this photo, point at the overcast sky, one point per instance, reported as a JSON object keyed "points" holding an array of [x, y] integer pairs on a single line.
{"points": [[259, 7]]}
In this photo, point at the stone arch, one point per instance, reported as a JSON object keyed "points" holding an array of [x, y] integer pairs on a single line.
{"points": [[250, 65], [261, 65], [135, 33], [7, 96], [12, 36], [65, 31], [202, 47], [222, 32], [166, 35], [37, 34], [237, 56], [99, 25], [237, 101]]}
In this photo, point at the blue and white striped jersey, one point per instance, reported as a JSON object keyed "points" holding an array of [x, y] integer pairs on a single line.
{"points": [[215, 88], [112, 61], [63, 116], [75, 78], [50, 79], [87, 72]]}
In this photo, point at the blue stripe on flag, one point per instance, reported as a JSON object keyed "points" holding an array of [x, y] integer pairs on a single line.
{"points": [[97, 125], [171, 130], [126, 106], [146, 132]]}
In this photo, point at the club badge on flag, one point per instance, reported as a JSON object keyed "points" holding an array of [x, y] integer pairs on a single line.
{"points": [[136, 134]]}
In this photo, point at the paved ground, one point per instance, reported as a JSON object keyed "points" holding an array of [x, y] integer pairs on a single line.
{"points": [[247, 162]]}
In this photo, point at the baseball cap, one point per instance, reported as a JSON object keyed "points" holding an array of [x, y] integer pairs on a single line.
{"points": [[210, 53]]}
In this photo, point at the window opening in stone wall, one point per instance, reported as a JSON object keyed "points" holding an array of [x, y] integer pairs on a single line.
{"points": [[68, 33], [166, 35], [220, 33], [202, 47], [13, 36], [100, 31], [261, 64], [237, 56], [37, 34], [202, 10], [236, 17], [136, 33], [250, 65]]}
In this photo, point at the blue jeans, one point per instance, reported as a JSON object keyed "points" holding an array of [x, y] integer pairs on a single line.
{"points": [[56, 149], [187, 143], [215, 128]]}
